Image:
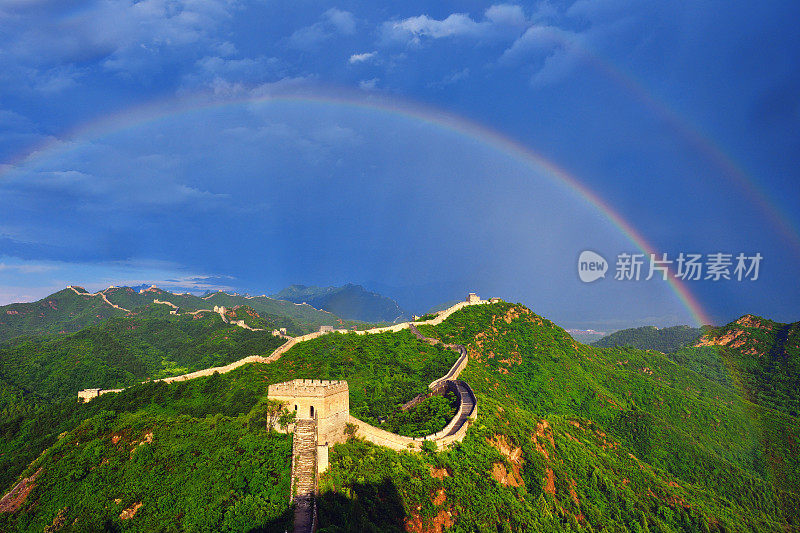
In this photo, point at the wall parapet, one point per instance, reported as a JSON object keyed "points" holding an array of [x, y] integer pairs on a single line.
{"points": [[307, 387]]}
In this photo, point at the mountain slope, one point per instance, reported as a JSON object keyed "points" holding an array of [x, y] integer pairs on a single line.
{"points": [[350, 301], [664, 340], [62, 312], [302, 317], [571, 436], [757, 356], [194, 455], [125, 350]]}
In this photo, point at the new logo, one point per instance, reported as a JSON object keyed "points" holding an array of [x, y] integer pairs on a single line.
{"points": [[591, 266]]}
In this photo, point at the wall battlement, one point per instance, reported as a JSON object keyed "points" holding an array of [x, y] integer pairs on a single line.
{"points": [[307, 387]]}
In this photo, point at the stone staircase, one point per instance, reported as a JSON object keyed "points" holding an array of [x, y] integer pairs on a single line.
{"points": [[304, 475]]}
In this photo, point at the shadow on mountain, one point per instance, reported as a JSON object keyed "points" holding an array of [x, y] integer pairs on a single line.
{"points": [[370, 508], [278, 525]]}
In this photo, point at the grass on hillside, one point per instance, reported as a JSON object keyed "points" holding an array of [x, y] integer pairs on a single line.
{"points": [[167, 469]]}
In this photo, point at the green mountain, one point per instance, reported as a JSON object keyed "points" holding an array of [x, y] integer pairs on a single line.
{"points": [[665, 340], [568, 437], [125, 350], [350, 301]]}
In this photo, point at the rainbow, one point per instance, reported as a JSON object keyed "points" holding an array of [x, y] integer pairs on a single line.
{"points": [[690, 133], [437, 118]]}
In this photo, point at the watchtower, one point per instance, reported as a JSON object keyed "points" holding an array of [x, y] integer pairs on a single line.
{"points": [[326, 402]]}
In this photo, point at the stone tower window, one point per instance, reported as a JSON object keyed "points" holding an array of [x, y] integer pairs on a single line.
{"points": [[311, 411]]}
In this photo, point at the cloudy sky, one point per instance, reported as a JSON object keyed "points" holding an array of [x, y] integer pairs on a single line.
{"points": [[422, 149]]}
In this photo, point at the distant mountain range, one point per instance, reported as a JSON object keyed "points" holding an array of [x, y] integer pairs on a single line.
{"points": [[74, 308], [665, 340], [350, 301]]}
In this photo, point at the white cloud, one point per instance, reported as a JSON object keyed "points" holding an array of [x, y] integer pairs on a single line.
{"points": [[226, 89], [368, 85], [46, 52], [248, 71], [343, 21], [506, 15], [26, 268], [499, 21], [361, 58], [453, 77], [333, 22], [538, 39], [225, 49], [424, 26], [544, 40], [557, 52]]}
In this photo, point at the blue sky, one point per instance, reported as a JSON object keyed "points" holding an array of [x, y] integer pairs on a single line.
{"points": [[204, 144]]}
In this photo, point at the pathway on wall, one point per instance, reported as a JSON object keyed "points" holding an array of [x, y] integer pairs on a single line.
{"points": [[283, 348], [438, 386], [304, 474], [468, 404], [456, 429]]}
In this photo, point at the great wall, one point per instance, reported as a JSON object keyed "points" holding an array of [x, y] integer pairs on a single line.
{"points": [[220, 310], [322, 408], [101, 294]]}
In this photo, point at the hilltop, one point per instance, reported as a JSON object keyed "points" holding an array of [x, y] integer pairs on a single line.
{"points": [[757, 356], [348, 301], [65, 311], [568, 436], [665, 340]]}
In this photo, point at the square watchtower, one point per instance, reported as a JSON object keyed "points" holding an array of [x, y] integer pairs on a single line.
{"points": [[327, 402]]}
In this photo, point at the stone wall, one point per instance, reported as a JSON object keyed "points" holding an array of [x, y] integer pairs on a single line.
{"points": [[441, 316], [86, 395], [455, 370], [220, 369], [383, 438]]}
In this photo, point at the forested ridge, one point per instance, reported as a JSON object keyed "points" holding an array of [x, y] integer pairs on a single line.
{"points": [[664, 340]]}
